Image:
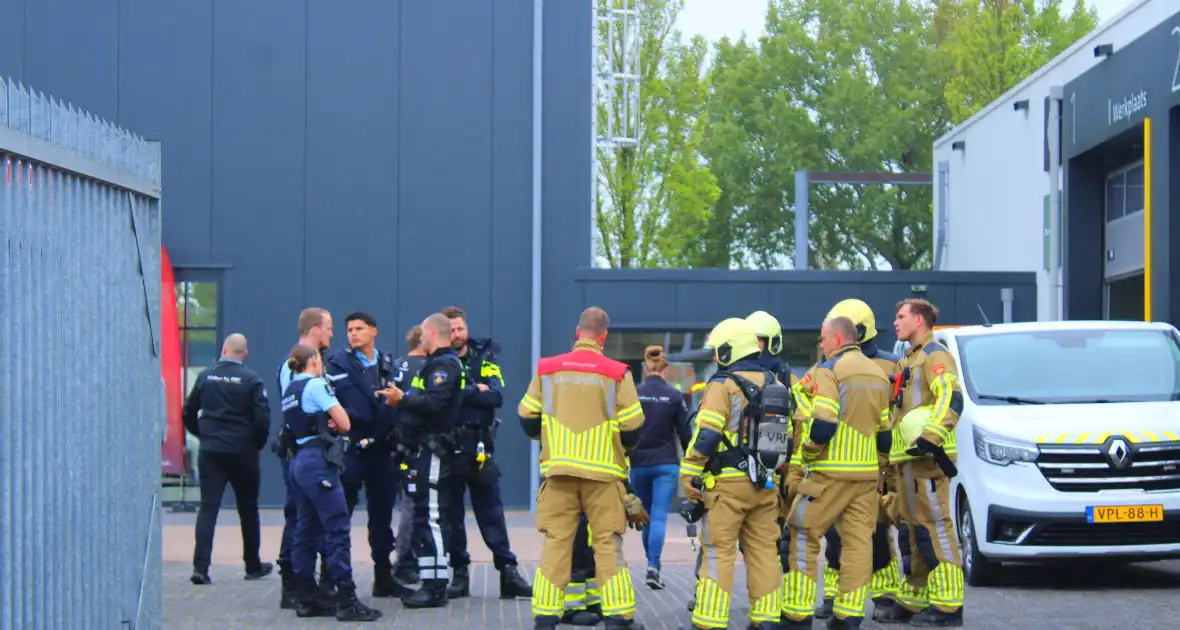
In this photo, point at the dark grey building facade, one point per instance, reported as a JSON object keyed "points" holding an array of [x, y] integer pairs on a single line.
{"points": [[377, 155], [1117, 173]]}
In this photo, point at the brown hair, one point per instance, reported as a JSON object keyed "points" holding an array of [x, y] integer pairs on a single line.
{"points": [[654, 360], [594, 321], [310, 318], [922, 308], [301, 356], [454, 312], [414, 337]]}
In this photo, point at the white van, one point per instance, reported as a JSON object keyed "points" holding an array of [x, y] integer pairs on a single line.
{"points": [[1069, 442]]}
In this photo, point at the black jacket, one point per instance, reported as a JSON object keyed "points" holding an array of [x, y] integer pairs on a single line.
{"points": [[665, 419], [434, 409], [227, 409], [479, 407], [356, 388]]}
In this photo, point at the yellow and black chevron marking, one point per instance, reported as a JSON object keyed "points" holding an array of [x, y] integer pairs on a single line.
{"points": [[1139, 437]]}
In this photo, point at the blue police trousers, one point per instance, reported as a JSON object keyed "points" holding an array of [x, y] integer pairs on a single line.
{"points": [[290, 517], [322, 515], [489, 515], [373, 468], [424, 484]]}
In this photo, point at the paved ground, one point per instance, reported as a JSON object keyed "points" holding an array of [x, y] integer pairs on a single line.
{"points": [[1072, 597]]}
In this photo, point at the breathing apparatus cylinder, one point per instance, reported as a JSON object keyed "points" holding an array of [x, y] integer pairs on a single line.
{"points": [[772, 431]]}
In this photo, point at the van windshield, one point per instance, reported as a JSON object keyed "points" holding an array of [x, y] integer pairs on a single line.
{"points": [[1071, 366]]}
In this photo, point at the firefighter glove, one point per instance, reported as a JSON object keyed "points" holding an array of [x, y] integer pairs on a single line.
{"points": [[637, 517]]}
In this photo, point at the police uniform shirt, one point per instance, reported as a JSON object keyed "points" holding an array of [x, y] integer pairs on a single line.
{"points": [[316, 398]]}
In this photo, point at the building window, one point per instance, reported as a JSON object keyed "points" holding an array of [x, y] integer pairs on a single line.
{"points": [[1124, 192], [197, 320]]}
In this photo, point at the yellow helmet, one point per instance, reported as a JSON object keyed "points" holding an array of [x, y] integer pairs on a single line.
{"points": [[731, 340], [913, 423], [860, 314], [766, 326]]}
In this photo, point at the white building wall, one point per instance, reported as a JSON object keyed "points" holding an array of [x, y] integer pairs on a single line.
{"points": [[997, 184]]}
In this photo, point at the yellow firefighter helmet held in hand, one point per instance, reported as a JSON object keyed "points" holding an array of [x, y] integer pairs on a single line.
{"points": [[860, 314], [912, 424], [731, 340], [766, 326]]}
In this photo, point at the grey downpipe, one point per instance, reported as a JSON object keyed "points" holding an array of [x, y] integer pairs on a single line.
{"points": [[538, 102]]}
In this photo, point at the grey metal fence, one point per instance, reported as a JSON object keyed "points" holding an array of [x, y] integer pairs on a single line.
{"points": [[81, 396]]}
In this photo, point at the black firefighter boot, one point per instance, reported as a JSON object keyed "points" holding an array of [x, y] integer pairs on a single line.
{"points": [[618, 623], [935, 618], [786, 623], [848, 623], [433, 594], [349, 608], [545, 622], [513, 584], [886, 610], [460, 585], [383, 583], [287, 587], [765, 625]]}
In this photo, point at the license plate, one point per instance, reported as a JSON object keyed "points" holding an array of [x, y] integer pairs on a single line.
{"points": [[1125, 514]]}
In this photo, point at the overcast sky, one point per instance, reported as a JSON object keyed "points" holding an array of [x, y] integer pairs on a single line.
{"points": [[715, 19]]}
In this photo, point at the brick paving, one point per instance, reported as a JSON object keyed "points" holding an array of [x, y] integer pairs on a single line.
{"points": [[1078, 597]]}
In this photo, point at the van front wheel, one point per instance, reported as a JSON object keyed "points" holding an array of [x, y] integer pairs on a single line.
{"points": [[978, 570]]}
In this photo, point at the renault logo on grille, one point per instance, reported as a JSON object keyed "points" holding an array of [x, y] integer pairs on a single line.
{"points": [[1119, 454]]}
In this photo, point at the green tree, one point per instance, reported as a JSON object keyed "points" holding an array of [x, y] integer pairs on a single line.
{"points": [[995, 44], [835, 85], [654, 200]]}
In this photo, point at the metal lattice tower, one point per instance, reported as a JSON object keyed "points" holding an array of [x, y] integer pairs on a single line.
{"points": [[614, 119], [616, 73]]}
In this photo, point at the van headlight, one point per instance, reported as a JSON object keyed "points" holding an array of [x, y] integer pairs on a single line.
{"points": [[1001, 451]]}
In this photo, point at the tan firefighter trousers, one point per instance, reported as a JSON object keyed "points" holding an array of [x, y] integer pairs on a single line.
{"points": [[821, 502], [561, 501]]}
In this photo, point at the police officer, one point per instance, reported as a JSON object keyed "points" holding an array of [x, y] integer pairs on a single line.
{"points": [[482, 396], [316, 420], [315, 331], [849, 428], [406, 377], [590, 413], [886, 567], [934, 586], [357, 373], [228, 411], [740, 501], [429, 414]]}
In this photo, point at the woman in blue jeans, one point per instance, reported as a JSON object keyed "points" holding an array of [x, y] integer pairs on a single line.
{"points": [[655, 461]]}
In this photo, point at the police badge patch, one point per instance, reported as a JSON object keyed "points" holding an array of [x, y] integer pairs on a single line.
{"points": [[439, 377]]}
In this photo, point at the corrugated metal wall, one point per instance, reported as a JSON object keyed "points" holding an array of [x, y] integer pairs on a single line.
{"points": [[81, 400]]}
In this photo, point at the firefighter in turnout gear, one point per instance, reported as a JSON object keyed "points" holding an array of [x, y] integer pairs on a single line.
{"points": [[849, 430], [584, 409], [742, 437], [934, 584], [886, 566]]}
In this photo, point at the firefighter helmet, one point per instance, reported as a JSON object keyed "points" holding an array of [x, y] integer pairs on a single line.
{"points": [[765, 326], [861, 316], [731, 340], [914, 422]]}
